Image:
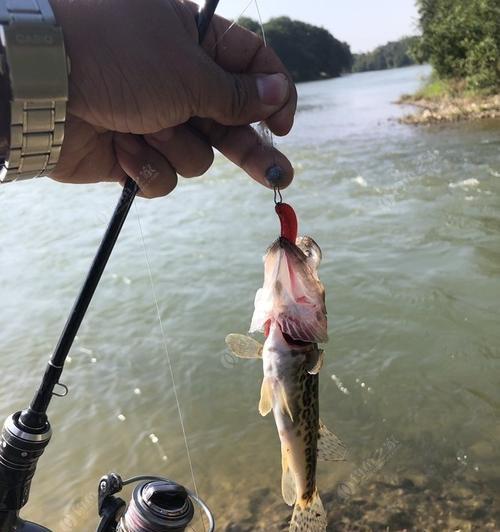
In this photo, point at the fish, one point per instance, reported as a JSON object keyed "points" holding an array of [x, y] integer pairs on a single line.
{"points": [[290, 309]]}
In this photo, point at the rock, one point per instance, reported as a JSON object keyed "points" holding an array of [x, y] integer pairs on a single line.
{"points": [[400, 521], [459, 525], [408, 485], [419, 480], [377, 527], [478, 513], [482, 449], [460, 492], [259, 498]]}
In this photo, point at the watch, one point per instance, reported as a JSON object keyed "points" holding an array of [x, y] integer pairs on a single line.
{"points": [[36, 63]]}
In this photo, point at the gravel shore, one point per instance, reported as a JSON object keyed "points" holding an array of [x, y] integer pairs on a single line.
{"points": [[387, 504], [451, 109]]}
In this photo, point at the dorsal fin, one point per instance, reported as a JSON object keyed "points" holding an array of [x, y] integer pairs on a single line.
{"points": [[330, 448]]}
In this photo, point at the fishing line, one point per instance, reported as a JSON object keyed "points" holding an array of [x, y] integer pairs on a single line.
{"points": [[266, 133], [261, 23], [167, 353], [233, 23]]}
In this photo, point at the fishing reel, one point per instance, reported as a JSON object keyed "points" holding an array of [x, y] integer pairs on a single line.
{"points": [[157, 505]]}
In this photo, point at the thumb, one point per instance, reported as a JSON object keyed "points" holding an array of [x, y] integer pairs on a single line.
{"points": [[240, 99]]}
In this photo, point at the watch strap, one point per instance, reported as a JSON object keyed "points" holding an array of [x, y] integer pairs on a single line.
{"points": [[38, 72]]}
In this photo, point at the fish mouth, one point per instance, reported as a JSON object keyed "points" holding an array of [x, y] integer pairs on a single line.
{"points": [[311, 250], [304, 252], [292, 250], [309, 246]]}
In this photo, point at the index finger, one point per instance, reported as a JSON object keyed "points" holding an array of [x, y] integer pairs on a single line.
{"points": [[238, 50]]}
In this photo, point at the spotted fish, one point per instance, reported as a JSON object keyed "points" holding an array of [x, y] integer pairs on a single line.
{"points": [[290, 309]]}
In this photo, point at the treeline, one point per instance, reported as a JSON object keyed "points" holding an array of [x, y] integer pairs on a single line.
{"points": [[394, 54], [461, 39], [309, 52]]}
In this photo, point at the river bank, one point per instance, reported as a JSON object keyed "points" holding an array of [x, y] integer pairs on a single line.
{"points": [[388, 504], [450, 108]]}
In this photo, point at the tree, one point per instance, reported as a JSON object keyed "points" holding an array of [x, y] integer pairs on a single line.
{"points": [[309, 52], [250, 24], [394, 54], [461, 39]]}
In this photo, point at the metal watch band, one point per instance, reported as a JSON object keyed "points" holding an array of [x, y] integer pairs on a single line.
{"points": [[38, 71]]}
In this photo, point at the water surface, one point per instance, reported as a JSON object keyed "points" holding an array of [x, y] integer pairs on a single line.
{"points": [[409, 222]]}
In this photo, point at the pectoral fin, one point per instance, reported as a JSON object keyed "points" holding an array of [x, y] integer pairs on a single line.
{"points": [[266, 397], [288, 489], [244, 346], [316, 362], [330, 448]]}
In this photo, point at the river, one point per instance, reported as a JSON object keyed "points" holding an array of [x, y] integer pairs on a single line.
{"points": [[409, 222]]}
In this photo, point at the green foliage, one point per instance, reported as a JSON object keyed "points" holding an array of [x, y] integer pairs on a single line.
{"points": [[250, 24], [391, 55], [434, 90], [461, 39], [309, 52]]}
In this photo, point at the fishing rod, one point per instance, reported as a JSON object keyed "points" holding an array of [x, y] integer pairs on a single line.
{"points": [[158, 504]]}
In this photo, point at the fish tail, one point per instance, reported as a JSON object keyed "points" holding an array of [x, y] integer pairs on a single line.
{"points": [[310, 516]]}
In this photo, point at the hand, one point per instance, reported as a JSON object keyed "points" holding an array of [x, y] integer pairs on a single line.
{"points": [[147, 101]]}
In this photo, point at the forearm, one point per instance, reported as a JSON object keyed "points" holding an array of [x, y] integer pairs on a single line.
{"points": [[4, 111]]}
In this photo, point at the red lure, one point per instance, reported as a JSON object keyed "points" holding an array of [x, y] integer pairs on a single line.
{"points": [[289, 230], [289, 223]]}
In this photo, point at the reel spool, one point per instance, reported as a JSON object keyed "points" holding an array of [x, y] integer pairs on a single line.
{"points": [[157, 505]]}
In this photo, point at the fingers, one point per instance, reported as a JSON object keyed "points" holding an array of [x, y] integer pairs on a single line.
{"points": [[145, 165], [243, 146], [87, 155], [185, 149], [240, 50], [238, 99]]}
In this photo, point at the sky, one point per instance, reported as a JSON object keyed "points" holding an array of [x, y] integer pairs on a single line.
{"points": [[364, 24]]}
